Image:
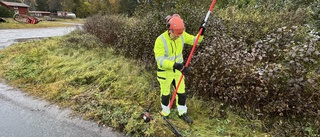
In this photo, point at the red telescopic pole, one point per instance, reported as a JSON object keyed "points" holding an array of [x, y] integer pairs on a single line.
{"points": [[192, 50]]}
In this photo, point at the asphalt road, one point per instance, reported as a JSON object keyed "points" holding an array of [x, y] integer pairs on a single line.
{"points": [[11, 36], [24, 116]]}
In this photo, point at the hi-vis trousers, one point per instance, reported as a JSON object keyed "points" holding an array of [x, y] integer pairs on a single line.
{"points": [[167, 78]]}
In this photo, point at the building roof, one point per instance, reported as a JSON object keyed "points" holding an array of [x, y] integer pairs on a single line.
{"points": [[40, 12], [14, 4]]}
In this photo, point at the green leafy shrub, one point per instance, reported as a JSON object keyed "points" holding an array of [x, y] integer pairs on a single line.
{"points": [[241, 22], [277, 76], [106, 28], [4, 12], [137, 42]]}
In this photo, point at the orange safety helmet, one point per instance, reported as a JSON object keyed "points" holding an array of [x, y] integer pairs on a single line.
{"points": [[176, 24]]}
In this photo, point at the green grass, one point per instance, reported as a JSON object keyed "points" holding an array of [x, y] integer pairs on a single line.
{"points": [[12, 24], [109, 89]]}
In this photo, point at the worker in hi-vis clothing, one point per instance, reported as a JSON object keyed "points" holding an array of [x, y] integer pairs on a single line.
{"points": [[168, 54]]}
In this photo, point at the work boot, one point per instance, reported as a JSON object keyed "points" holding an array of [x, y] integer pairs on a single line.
{"points": [[163, 114], [186, 118], [165, 111]]}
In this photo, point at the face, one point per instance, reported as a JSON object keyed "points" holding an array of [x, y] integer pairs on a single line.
{"points": [[174, 36]]}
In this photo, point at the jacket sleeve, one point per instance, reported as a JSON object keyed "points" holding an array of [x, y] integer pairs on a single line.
{"points": [[159, 52], [190, 39]]}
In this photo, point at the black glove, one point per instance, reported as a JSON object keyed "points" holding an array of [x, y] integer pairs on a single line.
{"points": [[184, 69], [202, 26]]}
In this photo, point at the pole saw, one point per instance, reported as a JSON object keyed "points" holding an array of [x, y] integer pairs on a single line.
{"points": [[192, 50]]}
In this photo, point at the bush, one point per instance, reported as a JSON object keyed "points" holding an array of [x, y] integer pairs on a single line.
{"points": [[105, 27], [6, 13], [278, 75]]}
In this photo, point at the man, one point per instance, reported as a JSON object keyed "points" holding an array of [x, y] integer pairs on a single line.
{"points": [[168, 53]]}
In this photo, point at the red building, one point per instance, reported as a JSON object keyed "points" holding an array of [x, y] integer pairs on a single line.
{"points": [[19, 8]]}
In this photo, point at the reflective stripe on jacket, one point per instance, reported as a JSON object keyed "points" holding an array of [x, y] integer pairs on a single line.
{"points": [[168, 51]]}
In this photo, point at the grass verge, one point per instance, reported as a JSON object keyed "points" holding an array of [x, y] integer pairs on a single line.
{"points": [[12, 24], [76, 71]]}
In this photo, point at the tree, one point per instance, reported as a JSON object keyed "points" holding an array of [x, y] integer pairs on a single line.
{"points": [[54, 5], [84, 9], [99, 6], [128, 6], [68, 5], [42, 5], [4, 12]]}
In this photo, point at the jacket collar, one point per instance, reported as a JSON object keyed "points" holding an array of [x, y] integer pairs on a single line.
{"points": [[166, 35]]}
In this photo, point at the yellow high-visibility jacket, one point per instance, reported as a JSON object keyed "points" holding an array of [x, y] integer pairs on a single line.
{"points": [[168, 51]]}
